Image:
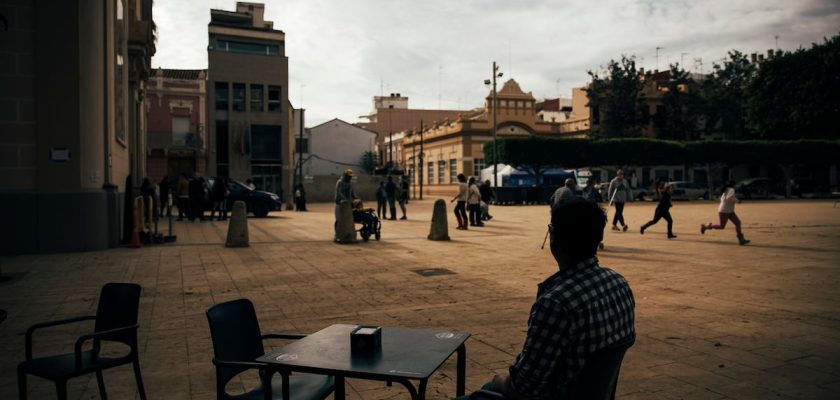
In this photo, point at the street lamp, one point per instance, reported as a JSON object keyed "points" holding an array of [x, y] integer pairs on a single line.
{"points": [[496, 74]]}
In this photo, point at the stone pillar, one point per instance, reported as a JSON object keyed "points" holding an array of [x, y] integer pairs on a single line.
{"points": [[237, 235], [345, 229], [440, 228]]}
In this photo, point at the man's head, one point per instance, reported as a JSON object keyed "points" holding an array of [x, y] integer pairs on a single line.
{"points": [[577, 227], [390, 178], [471, 181], [348, 174], [462, 178], [487, 182], [619, 174], [570, 183]]}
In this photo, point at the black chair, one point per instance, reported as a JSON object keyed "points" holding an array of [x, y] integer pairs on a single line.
{"points": [[596, 381], [237, 342], [116, 321]]}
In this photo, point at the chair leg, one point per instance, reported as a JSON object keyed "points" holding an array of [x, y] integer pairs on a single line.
{"points": [[21, 384], [139, 379], [61, 390], [100, 381]]}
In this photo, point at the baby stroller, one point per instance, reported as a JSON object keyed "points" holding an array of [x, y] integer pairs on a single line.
{"points": [[367, 217]]}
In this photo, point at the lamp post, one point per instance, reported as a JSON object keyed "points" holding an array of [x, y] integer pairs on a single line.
{"points": [[422, 156], [413, 166], [496, 74]]}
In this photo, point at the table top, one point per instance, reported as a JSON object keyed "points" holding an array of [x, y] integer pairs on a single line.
{"points": [[406, 353]]}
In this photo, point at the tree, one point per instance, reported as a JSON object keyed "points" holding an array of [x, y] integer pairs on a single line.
{"points": [[368, 162], [797, 95], [615, 102], [680, 114], [725, 94]]}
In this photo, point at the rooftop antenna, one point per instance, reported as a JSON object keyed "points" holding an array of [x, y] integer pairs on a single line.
{"points": [[302, 85], [657, 56], [698, 65], [557, 84], [510, 63], [682, 59], [777, 41], [440, 71]]}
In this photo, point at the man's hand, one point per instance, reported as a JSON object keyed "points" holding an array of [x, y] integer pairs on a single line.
{"points": [[501, 384]]}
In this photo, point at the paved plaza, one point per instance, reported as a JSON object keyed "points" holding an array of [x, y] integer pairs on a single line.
{"points": [[714, 320]]}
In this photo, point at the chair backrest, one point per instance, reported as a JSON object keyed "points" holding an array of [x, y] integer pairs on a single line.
{"points": [[599, 377], [118, 307], [235, 333]]}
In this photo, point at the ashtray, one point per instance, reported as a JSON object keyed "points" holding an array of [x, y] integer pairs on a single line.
{"points": [[366, 339]]}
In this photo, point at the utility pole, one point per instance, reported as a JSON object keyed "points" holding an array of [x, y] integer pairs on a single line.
{"points": [[414, 166], [422, 156], [657, 56], [300, 150], [682, 60], [495, 151]]}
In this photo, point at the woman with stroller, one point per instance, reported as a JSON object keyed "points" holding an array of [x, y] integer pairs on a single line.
{"points": [[460, 207], [474, 202], [662, 211]]}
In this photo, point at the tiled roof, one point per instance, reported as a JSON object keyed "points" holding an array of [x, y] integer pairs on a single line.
{"points": [[182, 74]]}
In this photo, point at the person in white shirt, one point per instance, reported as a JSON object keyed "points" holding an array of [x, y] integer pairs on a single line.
{"points": [[726, 212], [461, 206], [619, 192]]}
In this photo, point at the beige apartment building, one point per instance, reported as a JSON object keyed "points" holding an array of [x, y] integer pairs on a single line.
{"points": [[72, 125], [454, 146], [250, 119]]}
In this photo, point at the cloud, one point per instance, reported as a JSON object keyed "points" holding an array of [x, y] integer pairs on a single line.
{"points": [[439, 52]]}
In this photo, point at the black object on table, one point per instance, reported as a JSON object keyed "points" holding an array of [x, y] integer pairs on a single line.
{"points": [[406, 355]]}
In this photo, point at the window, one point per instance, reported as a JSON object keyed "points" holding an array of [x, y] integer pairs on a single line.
{"points": [[431, 173], [274, 99], [301, 145], [257, 98], [222, 147], [441, 171], [265, 142], [180, 129], [478, 165], [222, 96], [453, 171], [248, 48], [238, 97]]}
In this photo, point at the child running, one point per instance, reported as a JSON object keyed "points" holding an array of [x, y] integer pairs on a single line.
{"points": [[726, 212], [662, 211]]}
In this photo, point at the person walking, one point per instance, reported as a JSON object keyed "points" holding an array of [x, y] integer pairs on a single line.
{"points": [[726, 212], [461, 197], [218, 193], [391, 192], [487, 195], [662, 211], [381, 201], [197, 191], [164, 196], [183, 193], [474, 203], [300, 198], [619, 192], [403, 197]]}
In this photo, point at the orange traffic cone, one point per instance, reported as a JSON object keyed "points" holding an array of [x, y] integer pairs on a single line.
{"points": [[138, 221], [135, 240]]}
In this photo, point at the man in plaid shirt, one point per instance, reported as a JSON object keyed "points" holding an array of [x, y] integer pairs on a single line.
{"points": [[580, 309]]}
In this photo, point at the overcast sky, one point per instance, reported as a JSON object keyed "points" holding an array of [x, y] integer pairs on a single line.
{"points": [[439, 52]]}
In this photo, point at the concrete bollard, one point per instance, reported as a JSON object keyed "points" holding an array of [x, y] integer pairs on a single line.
{"points": [[345, 229], [237, 235], [440, 229]]}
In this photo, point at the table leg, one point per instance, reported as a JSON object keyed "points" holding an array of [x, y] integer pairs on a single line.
{"points": [[462, 371], [421, 390], [339, 388]]}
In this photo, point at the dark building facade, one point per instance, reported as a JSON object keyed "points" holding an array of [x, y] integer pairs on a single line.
{"points": [[72, 125], [249, 113]]}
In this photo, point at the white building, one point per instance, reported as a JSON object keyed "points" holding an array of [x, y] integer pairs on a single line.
{"points": [[335, 146]]}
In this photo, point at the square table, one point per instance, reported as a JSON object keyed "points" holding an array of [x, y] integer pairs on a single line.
{"points": [[406, 355]]}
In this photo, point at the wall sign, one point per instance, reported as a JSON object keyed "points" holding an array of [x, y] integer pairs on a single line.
{"points": [[59, 154]]}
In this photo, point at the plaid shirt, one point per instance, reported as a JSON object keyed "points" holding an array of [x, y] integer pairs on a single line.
{"points": [[578, 310]]}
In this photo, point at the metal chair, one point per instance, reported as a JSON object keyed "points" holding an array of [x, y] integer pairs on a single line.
{"points": [[596, 381], [237, 342], [116, 321]]}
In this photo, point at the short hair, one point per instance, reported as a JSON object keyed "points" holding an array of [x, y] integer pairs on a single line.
{"points": [[578, 227], [462, 178]]}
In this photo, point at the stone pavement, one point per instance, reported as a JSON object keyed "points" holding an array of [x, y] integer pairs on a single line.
{"points": [[715, 320]]}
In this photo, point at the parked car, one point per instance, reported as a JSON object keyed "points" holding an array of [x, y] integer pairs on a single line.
{"points": [[683, 190], [257, 202], [808, 188], [755, 188]]}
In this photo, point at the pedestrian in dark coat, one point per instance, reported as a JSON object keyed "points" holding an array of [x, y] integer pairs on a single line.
{"points": [[662, 212]]}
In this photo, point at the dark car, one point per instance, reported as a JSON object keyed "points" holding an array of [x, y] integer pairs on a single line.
{"points": [[257, 202], [755, 188], [808, 188]]}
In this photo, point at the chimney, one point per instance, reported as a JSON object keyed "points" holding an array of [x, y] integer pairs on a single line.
{"points": [[778, 53], [769, 54], [760, 57], [753, 58]]}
